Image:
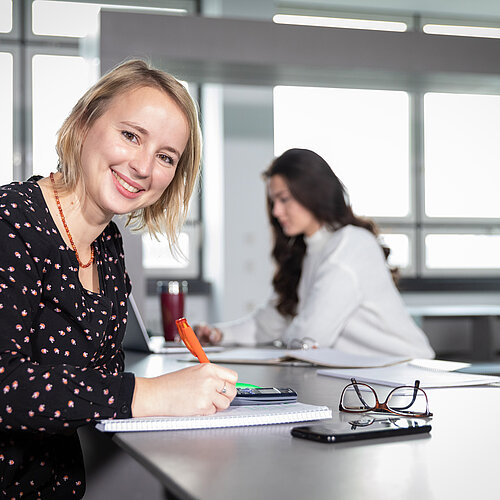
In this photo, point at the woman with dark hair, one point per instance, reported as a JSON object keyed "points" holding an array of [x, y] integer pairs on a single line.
{"points": [[332, 284]]}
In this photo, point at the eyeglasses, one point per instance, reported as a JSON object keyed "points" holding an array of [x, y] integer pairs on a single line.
{"points": [[407, 401], [303, 343]]}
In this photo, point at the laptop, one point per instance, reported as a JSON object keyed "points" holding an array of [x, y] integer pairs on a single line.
{"points": [[137, 337]]}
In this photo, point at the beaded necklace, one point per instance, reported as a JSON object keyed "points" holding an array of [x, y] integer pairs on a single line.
{"points": [[63, 219]]}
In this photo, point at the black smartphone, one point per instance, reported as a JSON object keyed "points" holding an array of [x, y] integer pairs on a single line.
{"points": [[263, 395], [362, 428]]}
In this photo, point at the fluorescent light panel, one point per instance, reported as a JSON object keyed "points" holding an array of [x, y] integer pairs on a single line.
{"points": [[448, 29], [339, 22]]}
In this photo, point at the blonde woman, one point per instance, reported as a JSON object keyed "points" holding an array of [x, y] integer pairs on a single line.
{"points": [[131, 145]]}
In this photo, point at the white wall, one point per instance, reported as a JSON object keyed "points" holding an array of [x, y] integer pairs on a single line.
{"points": [[247, 244], [244, 242], [248, 150]]}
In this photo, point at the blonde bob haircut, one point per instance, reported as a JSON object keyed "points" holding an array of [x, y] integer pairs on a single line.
{"points": [[168, 213]]}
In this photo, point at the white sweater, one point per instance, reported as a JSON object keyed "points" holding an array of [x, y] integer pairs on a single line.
{"points": [[347, 300]]}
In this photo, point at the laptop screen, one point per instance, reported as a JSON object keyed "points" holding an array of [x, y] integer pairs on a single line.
{"points": [[136, 336]]}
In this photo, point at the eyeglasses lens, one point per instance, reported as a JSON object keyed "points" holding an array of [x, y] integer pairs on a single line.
{"points": [[359, 398], [408, 400], [304, 343]]}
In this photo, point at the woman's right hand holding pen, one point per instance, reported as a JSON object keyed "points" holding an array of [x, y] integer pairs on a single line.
{"points": [[208, 334], [202, 389]]}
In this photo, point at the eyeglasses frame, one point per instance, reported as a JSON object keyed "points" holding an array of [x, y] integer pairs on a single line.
{"points": [[382, 407]]}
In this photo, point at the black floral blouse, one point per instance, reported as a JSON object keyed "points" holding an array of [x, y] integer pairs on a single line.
{"points": [[61, 362]]}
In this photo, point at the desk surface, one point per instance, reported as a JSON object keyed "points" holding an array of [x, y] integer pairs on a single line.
{"points": [[455, 461]]}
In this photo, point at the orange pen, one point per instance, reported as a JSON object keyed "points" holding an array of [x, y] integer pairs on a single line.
{"points": [[193, 344], [191, 340]]}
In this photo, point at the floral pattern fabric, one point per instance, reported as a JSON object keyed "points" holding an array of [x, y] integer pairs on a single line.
{"points": [[61, 362]]}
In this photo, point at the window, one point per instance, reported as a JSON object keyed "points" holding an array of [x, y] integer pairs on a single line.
{"points": [[459, 251], [5, 16], [59, 42], [71, 19], [362, 134], [6, 118], [461, 178], [58, 82], [462, 172], [157, 259], [412, 173], [159, 262], [399, 245], [438, 221], [80, 19]]}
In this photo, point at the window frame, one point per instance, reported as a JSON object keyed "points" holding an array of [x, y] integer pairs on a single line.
{"points": [[23, 44], [417, 224], [21, 38]]}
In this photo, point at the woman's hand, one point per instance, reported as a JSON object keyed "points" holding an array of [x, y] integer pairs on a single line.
{"points": [[208, 334], [202, 389]]}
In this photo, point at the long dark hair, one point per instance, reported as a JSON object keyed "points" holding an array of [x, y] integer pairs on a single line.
{"points": [[313, 184]]}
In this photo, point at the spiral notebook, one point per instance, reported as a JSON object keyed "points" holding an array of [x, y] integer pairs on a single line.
{"points": [[234, 416]]}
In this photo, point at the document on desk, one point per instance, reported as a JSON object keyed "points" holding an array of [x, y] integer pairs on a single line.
{"points": [[234, 416], [332, 358], [431, 375]]}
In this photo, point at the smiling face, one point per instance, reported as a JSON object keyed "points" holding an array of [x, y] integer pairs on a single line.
{"points": [[130, 154], [293, 217]]}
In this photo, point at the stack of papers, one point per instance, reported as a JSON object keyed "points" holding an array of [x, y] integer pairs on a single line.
{"points": [[431, 373]]}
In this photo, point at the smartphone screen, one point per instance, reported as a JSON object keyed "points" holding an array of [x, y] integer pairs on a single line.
{"points": [[362, 428]]}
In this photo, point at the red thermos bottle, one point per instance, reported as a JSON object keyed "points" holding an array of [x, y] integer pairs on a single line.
{"points": [[172, 306]]}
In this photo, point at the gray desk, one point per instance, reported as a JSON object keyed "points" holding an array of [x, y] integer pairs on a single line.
{"points": [[483, 323], [457, 461]]}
